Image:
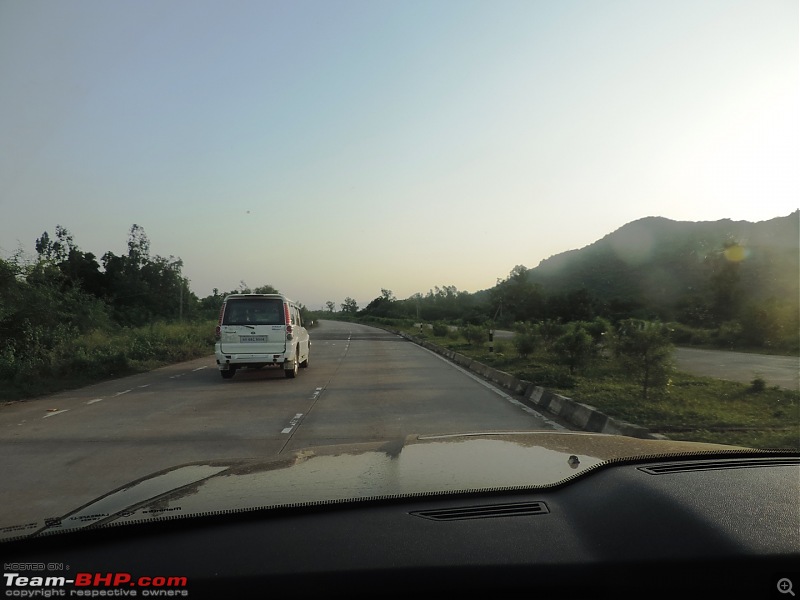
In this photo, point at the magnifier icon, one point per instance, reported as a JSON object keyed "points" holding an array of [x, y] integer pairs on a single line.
{"points": [[785, 586]]}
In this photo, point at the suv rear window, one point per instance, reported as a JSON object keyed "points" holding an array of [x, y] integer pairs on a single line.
{"points": [[254, 311]]}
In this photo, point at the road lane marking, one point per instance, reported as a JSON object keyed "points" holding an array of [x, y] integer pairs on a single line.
{"points": [[52, 414], [292, 423], [95, 400], [200, 368], [145, 385], [120, 393]]}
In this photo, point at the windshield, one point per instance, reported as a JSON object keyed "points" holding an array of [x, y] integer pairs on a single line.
{"points": [[253, 312], [560, 217]]}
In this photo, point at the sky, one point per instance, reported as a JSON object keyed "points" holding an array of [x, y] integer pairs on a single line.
{"points": [[332, 148]]}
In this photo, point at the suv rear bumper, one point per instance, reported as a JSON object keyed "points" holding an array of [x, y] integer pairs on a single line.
{"points": [[226, 361]]}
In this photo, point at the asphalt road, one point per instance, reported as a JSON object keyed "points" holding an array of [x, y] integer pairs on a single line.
{"points": [[783, 371], [363, 384]]}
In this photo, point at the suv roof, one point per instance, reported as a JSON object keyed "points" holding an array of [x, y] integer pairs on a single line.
{"points": [[276, 296]]}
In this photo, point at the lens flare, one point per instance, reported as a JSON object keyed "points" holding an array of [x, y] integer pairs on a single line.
{"points": [[736, 253]]}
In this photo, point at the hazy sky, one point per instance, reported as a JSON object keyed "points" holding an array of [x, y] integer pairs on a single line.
{"points": [[335, 147]]}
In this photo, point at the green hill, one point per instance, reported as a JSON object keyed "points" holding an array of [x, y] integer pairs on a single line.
{"points": [[701, 272]]}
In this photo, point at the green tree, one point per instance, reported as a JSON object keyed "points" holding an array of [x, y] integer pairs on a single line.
{"points": [[266, 289], [349, 306], [142, 288], [526, 339], [575, 347], [577, 305], [138, 247], [517, 297], [474, 334], [382, 306], [550, 331], [55, 250], [644, 349]]}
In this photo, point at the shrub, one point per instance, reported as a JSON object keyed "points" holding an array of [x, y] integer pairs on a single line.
{"points": [[526, 342], [550, 331], [643, 348], [474, 334], [440, 329], [758, 385], [575, 347]]}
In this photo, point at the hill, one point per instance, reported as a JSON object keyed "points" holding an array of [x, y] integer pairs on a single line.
{"points": [[676, 268]]}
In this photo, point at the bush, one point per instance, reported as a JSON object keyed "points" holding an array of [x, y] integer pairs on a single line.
{"points": [[526, 342], [61, 358], [575, 347], [550, 331], [758, 385], [643, 348], [730, 334], [474, 334], [440, 329]]}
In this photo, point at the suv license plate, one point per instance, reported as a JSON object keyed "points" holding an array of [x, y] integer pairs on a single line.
{"points": [[245, 339]]}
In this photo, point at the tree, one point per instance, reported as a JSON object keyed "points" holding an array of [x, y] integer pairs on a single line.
{"points": [[330, 305], [141, 287], [474, 334], [383, 306], [266, 289], [574, 347], [577, 305], [526, 339], [519, 297], [138, 247], [77, 269], [58, 250], [349, 306], [644, 349], [550, 331]]}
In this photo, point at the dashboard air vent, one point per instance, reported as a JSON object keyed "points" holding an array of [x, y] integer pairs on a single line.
{"points": [[721, 463], [516, 509]]}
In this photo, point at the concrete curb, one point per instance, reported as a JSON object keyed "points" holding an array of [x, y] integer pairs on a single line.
{"points": [[583, 416]]}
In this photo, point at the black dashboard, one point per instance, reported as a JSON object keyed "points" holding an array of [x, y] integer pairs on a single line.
{"points": [[724, 527]]}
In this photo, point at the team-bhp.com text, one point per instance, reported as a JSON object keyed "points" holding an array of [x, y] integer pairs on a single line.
{"points": [[102, 584]]}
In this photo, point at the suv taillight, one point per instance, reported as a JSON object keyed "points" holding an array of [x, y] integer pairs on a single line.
{"points": [[218, 329], [288, 320]]}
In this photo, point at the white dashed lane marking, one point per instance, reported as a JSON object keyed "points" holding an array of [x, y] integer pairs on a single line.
{"points": [[53, 414], [96, 400], [293, 423]]}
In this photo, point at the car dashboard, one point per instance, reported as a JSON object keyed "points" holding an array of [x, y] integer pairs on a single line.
{"points": [[716, 527]]}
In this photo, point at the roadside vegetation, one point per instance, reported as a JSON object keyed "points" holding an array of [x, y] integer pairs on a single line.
{"points": [[75, 359], [67, 322]]}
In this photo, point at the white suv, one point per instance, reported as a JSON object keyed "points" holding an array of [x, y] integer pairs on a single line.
{"points": [[256, 330]]}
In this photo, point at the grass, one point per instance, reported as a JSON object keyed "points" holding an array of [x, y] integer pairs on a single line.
{"points": [[99, 354], [691, 408]]}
